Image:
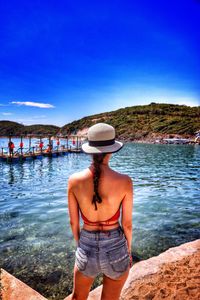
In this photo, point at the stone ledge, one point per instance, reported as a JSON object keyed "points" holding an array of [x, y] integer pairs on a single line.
{"points": [[149, 270], [174, 274], [14, 289]]}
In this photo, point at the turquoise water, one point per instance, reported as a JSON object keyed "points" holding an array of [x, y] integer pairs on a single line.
{"points": [[36, 242]]}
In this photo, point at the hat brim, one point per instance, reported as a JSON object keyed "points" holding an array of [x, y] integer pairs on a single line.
{"points": [[102, 149]]}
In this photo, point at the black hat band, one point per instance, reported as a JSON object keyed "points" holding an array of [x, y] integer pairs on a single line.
{"points": [[101, 143]]}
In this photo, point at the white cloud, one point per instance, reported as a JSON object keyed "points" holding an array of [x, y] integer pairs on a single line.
{"points": [[39, 117], [29, 121], [143, 95], [7, 113], [35, 104], [186, 101]]}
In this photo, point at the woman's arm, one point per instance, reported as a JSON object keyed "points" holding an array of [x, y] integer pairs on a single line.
{"points": [[73, 210], [127, 207]]}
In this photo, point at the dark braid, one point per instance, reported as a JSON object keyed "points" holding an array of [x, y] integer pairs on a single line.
{"points": [[97, 160]]}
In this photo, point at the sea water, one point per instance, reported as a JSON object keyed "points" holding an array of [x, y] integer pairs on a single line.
{"points": [[36, 242]]}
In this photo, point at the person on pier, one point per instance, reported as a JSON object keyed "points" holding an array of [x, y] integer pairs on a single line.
{"points": [[11, 147]]}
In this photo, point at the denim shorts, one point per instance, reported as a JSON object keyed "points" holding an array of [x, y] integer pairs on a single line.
{"points": [[102, 252]]}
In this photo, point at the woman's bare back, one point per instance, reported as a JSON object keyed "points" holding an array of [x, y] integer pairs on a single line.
{"points": [[111, 188]]}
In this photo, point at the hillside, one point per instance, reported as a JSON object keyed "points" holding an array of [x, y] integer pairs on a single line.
{"points": [[131, 123], [140, 122], [14, 128]]}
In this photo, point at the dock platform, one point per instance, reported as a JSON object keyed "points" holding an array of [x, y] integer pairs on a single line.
{"points": [[38, 150], [37, 155]]}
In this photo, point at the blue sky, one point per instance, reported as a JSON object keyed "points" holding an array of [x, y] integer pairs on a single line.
{"points": [[63, 60]]}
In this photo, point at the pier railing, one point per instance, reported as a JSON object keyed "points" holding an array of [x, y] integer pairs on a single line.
{"points": [[72, 144]]}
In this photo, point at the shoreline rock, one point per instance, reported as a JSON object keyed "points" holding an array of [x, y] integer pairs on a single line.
{"points": [[173, 274], [14, 289]]}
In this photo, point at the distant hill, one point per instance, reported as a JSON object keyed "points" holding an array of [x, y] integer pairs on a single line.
{"points": [[14, 128], [131, 123], [140, 122], [8, 127]]}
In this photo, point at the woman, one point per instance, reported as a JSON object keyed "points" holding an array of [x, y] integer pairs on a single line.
{"points": [[99, 193]]}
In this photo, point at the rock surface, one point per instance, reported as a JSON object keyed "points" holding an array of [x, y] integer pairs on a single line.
{"points": [[174, 274], [14, 289]]}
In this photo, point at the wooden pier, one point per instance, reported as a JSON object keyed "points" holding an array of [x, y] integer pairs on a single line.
{"points": [[38, 152]]}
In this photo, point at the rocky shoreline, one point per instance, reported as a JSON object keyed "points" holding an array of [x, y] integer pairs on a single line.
{"points": [[159, 138], [174, 274], [151, 138]]}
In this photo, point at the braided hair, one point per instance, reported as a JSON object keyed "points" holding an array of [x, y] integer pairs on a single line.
{"points": [[97, 160]]}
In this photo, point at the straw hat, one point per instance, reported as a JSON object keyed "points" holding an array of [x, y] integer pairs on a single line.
{"points": [[101, 139]]}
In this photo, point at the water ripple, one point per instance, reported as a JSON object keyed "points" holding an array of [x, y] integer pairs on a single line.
{"points": [[35, 230]]}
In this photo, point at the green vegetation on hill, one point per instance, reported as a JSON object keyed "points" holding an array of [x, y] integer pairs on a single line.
{"points": [[8, 127], [137, 122], [41, 129], [16, 129]]}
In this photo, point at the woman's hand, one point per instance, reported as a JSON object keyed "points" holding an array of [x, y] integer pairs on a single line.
{"points": [[77, 242], [131, 259]]}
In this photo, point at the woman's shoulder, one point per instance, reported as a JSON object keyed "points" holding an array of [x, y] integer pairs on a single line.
{"points": [[83, 175], [121, 180], [122, 176], [77, 176]]}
